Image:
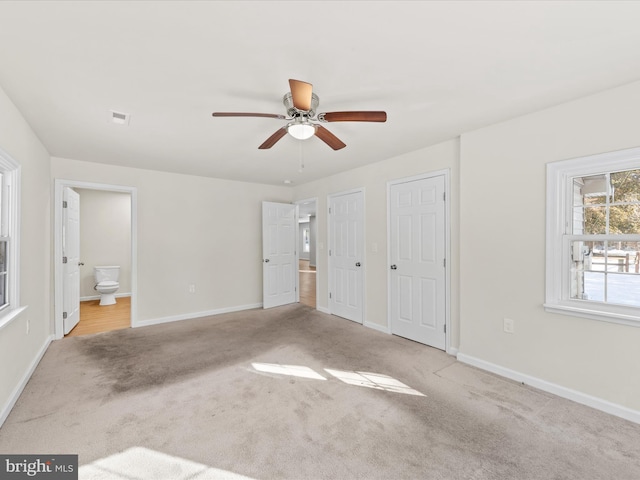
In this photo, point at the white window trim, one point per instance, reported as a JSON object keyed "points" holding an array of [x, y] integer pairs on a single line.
{"points": [[557, 299], [11, 169]]}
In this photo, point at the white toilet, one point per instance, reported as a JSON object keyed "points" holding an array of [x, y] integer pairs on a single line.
{"points": [[107, 283]]}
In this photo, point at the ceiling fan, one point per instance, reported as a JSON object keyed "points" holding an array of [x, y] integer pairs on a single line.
{"points": [[301, 104]]}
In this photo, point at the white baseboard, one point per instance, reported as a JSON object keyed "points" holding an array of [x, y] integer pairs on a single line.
{"points": [[6, 409], [323, 310], [453, 351], [97, 297], [564, 392], [377, 327], [189, 316]]}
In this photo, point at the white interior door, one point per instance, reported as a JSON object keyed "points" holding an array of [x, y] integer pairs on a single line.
{"points": [[417, 255], [279, 255], [71, 259], [346, 252]]}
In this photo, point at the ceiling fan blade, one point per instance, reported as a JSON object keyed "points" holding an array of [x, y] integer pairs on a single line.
{"points": [[301, 93], [271, 141], [329, 138], [370, 116], [239, 114]]}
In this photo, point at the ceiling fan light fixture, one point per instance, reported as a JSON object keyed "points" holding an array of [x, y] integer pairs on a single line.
{"points": [[301, 130]]}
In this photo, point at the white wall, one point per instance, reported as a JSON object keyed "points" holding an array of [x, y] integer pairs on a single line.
{"points": [[23, 340], [373, 178], [502, 209], [105, 237], [191, 230]]}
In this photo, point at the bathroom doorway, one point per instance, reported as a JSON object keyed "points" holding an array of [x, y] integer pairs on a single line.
{"points": [[307, 233], [107, 237]]}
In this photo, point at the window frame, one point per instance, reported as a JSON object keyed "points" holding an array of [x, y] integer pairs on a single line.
{"points": [[558, 236], [10, 229]]}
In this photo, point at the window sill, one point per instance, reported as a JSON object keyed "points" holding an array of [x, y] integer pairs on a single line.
{"points": [[10, 315], [623, 316]]}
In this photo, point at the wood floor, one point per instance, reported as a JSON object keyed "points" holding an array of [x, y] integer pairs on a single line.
{"points": [[307, 284], [95, 318]]}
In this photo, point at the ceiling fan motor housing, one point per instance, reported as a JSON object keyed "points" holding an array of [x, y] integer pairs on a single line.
{"points": [[293, 112]]}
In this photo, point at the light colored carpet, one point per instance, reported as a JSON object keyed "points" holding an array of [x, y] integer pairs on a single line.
{"points": [[293, 393]]}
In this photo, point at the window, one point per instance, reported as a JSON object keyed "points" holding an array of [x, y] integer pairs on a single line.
{"points": [[9, 243], [4, 241], [593, 237], [305, 239]]}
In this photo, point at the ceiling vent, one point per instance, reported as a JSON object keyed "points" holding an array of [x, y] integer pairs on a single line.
{"points": [[119, 118]]}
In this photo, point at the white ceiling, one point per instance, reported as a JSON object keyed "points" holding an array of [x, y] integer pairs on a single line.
{"points": [[437, 68]]}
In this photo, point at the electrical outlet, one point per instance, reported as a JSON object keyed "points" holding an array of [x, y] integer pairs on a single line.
{"points": [[192, 288], [509, 325]]}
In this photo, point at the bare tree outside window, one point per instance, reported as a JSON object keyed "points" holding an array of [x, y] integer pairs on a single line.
{"points": [[605, 259]]}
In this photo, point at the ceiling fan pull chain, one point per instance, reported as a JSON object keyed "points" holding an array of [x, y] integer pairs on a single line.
{"points": [[301, 154]]}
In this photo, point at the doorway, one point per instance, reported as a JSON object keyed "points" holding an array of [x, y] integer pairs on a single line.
{"points": [[307, 235], [105, 239], [126, 306]]}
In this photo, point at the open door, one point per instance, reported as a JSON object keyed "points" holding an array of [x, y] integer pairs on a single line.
{"points": [[71, 258], [279, 254]]}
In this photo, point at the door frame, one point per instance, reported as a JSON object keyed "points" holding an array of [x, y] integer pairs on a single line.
{"points": [[300, 202], [446, 173], [60, 184], [364, 250]]}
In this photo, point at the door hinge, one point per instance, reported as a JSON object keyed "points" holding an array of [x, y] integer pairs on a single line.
{"points": [[64, 204], [64, 259], [64, 315], [329, 210], [444, 196], [329, 294], [445, 328], [329, 252], [444, 262]]}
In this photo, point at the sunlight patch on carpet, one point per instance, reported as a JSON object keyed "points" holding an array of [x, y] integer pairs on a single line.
{"points": [[145, 464], [377, 381], [373, 380], [292, 370]]}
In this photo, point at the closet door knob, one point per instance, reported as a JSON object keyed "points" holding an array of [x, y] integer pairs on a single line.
{"points": [[394, 267]]}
